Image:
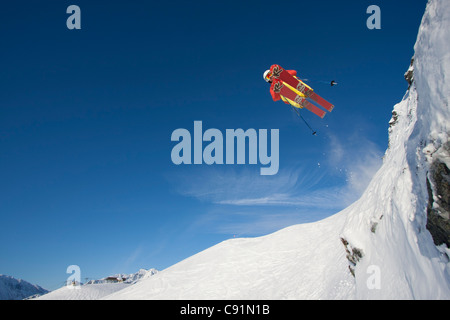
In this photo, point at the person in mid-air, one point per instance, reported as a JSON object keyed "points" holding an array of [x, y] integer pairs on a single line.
{"points": [[286, 86], [268, 77]]}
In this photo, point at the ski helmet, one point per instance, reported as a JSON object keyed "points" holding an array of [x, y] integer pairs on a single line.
{"points": [[267, 75]]}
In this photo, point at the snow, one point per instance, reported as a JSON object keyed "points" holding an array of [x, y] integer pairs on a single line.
{"points": [[283, 265], [411, 265], [84, 292], [377, 248], [97, 289], [17, 289]]}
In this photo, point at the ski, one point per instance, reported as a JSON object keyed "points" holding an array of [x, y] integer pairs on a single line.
{"points": [[283, 90], [324, 103], [281, 74]]}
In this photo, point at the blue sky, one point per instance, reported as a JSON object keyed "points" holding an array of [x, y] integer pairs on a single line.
{"points": [[86, 117]]}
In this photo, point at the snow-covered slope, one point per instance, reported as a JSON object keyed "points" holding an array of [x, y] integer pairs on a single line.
{"points": [[97, 289], [84, 292], [302, 261], [381, 246], [17, 289]]}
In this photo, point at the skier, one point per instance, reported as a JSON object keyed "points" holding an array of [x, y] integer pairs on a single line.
{"points": [[275, 95], [287, 87]]}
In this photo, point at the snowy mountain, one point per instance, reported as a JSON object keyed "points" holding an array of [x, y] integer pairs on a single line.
{"points": [[97, 289], [17, 289], [390, 244]]}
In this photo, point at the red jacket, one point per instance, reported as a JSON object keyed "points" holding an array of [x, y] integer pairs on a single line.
{"points": [[276, 96]]}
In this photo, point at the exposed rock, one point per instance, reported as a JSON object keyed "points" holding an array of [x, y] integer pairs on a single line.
{"points": [[409, 75], [353, 255], [438, 185]]}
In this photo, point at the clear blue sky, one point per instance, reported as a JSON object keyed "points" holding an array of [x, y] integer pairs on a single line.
{"points": [[86, 117]]}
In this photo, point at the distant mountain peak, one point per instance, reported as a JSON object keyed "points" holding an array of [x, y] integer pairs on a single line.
{"points": [[17, 289]]}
